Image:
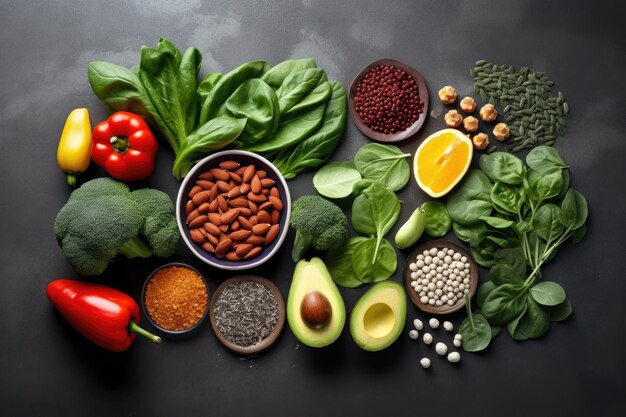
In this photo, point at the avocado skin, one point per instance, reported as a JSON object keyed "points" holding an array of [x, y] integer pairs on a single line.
{"points": [[309, 276]]}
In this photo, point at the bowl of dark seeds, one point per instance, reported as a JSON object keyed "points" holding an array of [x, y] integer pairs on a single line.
{"points": [[247, 314]]}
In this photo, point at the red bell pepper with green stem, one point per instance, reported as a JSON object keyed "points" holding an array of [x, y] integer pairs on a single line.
{"points": [[104, 315], [124, 146]]}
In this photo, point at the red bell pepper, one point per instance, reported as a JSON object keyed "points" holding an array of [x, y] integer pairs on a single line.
{"points": [[104, 315], [124, 146]]}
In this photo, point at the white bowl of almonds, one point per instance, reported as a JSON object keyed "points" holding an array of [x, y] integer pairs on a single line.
{"points": [[233, 210], [437, 276]]}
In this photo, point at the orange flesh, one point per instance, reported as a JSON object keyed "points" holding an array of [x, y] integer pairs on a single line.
{"points": [[442, 161]]}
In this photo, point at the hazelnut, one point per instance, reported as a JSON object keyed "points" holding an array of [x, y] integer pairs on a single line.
{"points": [[488, 113], [447, 95], [468, 105], [470, 124], [480, 141], [453, 118], [315, 310], [501, 132]]}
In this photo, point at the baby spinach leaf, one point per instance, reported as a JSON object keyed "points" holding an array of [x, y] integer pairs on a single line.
{"points": [[207, 84], [275, 76], [549, 186], [438, 221], [561, 311], [471, 200], [566, 179], [535, 321], [548, 293], [504, 167], [475, 330], [336, 180], [497, 222], [546, 222], [384, 163], [545, 160], [255, 101], [485, 244], [465, 233], [506, 198], [579, 234], [513, 326], [483, 291], [384, 264], [296, 86], [339, 264], [317, 148], [514, 257], [501, 274], [362, 220], [504, 304], [318, 95], [573, 210]]}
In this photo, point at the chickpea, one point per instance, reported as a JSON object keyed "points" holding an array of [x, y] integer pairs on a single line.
{"points": [[501, 132], [488, 113], [468, 105], [447, 94], [453, 118], [470, 123], [480, 141]]}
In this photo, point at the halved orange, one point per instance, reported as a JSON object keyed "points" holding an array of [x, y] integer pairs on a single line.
{"points": [[441, 161]]}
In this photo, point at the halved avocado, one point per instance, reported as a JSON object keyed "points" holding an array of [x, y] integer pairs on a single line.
{"points": [[378, 317], [312, 277]]}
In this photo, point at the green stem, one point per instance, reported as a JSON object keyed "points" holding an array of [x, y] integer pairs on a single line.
{"points": [[134, 248], [468, 306], [301, 243], [120, 144], [71, 178], [133, 327]]}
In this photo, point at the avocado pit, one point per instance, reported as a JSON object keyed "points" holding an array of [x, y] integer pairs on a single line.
{"points": [[315, 309]]}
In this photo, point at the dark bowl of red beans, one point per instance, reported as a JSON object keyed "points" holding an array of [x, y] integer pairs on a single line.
{"points": [[388, 101]]}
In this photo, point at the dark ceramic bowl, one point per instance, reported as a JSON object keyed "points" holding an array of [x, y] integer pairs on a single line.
{"points": [[271, 338], [173, 334], [244, 158], [444, 309], [400, 135]]}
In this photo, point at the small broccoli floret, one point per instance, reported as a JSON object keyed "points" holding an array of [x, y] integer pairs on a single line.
{"points": [[318, 223], [160, 227], [103, 218]]}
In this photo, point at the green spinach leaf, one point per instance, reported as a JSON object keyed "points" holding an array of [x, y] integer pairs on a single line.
{"points": [[339, 264], [497, 222], [503, 167], [296, 86], [535, 321], [513, 257], [548, 293], [336, 180], [546, 222], [362, 219], [471, 200], [545, 160], [438, 221], [465, 233], [255, 101], [320, 94], [501, 274], [573, 210], [483, 291], [561, 311], [275, 76], [475, 330], [507, 199], [504, 304], [382, 267], [384, 163]]}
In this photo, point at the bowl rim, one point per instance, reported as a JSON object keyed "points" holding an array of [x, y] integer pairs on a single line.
{"points": [[439, 243], [271, 338], [144, 308], [205, 256], [392, 137]]}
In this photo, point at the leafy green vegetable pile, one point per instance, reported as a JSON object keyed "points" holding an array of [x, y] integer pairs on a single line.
{"points": [[377, 171], [515, 217], [290, 112]]}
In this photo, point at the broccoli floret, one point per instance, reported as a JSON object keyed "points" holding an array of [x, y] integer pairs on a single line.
{"points": [[160, 227], [318, 223], [103, 218]]}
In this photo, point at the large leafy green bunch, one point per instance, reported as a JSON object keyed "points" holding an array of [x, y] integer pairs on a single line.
{"points": [[515, 216], [290, 112]]}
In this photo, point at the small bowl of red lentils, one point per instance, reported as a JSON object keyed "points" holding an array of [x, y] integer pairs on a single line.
{"points": [[388, 101], [175, 299], [233, 210]]}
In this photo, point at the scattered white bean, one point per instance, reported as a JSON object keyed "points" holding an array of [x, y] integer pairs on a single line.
{"points": [[454, 357], [417, 323], [458, 336], [427, 338], [433, 323], [441, 348], [448, 326], [413, 334], [457, 342], [425, 362]]}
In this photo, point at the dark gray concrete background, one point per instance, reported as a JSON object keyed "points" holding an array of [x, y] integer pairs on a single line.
{"points": [[47, 369]]}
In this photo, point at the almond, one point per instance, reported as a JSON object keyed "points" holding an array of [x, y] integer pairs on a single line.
{"points": [[243, 248], [195, 190], [235, 178], [192, 216], [264, 216], [274, 192], [230, 216], [224, 187], [245, 188], [272, 234], [245, 211], [213, 239], [244, 223], [255, 240], [220, 174], [223, 228], [201, 197], [219, 255], [232, 256], [207, 185], [253, 220], [265, 205], [213, 206], [234, 192], [215, 218], [204, 208], [221, 201], [196, 236], [212, 229], [261, 229], [229, 165], [256, 198], [255, 185], [261, 174], [276, 203], [240, 235], [265, 191], [238, 202], [207, 176], [253, 207], [189, 207], [248, 173], [239, 171], [267, 182], [254, 252], [275, 217], [223, 246], [208, 247], [198, 221], [234, 226]]}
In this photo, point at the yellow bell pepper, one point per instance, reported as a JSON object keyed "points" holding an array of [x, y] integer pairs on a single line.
{"points": [[74, 151]]}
